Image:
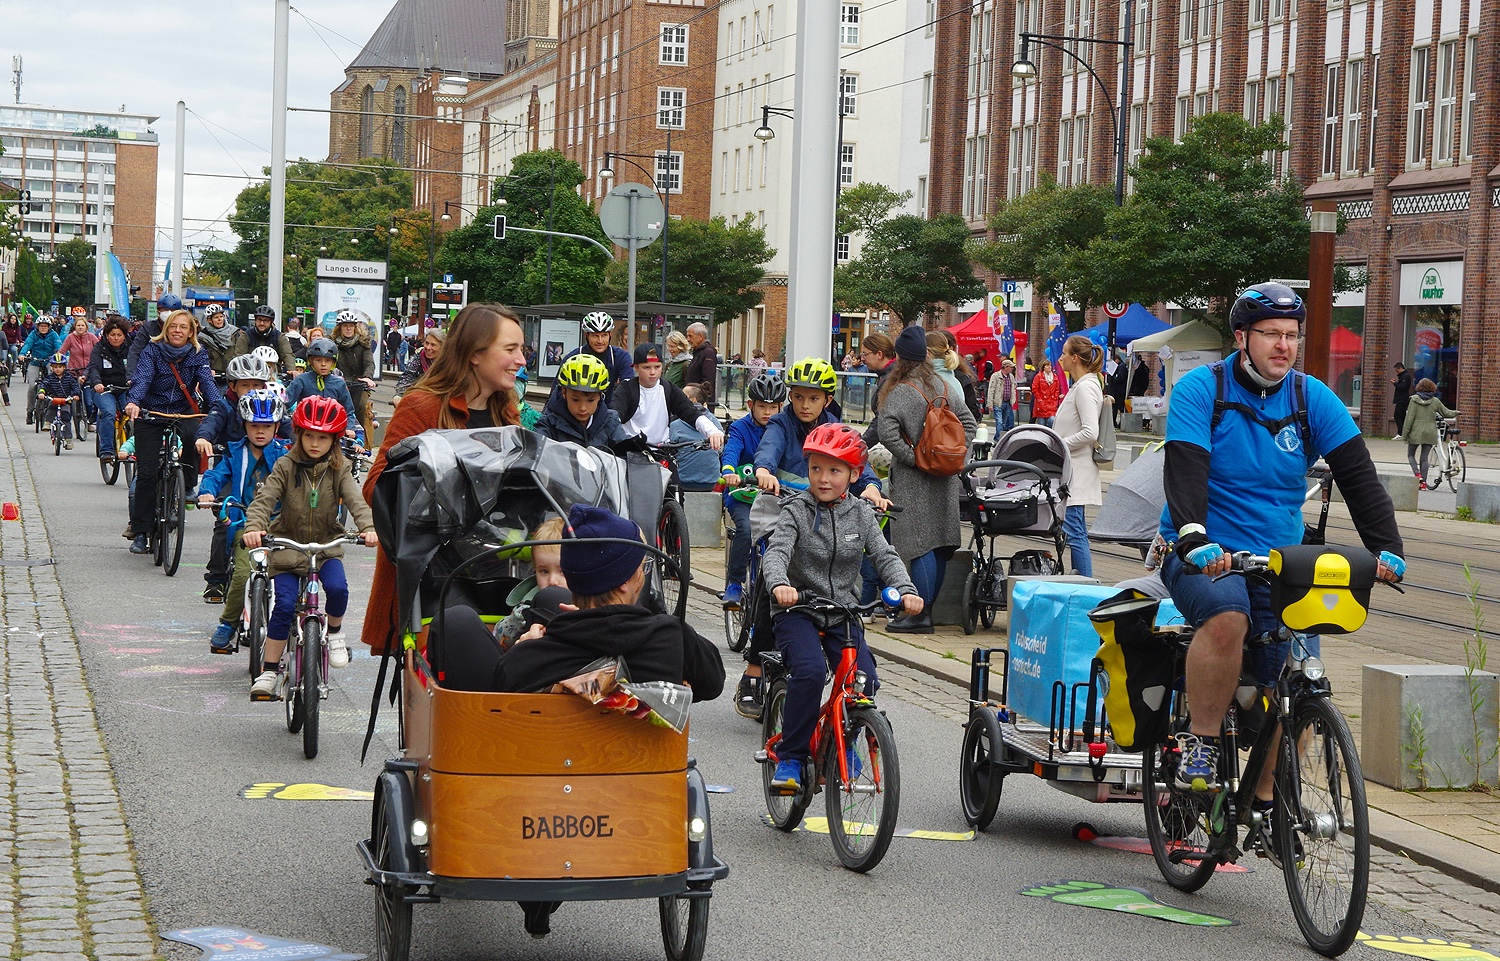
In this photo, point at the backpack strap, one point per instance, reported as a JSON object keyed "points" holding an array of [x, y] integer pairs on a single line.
{"points": [[1298, 415]]}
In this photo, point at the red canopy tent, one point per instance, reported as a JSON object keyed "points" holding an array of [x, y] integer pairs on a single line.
{"points": [[976, 336]]}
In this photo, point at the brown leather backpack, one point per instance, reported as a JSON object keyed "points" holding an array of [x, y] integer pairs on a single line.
{"points": [[943, 446]]}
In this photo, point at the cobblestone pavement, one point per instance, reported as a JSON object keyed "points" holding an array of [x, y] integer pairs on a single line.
{"points": [[69, 888], [1465, 912]]}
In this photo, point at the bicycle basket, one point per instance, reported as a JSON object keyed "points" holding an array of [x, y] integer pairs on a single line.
{"points": [[1134, 666], [1321, 590]]}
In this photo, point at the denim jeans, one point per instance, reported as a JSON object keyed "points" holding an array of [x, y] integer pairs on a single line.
{"points": [[1076, 528], [1044, 421], [808, 653], [1005, 419], [739, 546], [928, 572], [108, 405], [335, 596]]}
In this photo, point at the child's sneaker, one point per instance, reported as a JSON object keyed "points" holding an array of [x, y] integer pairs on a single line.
{"points": [[747, 699], [222, 641], [853, 763], [734, 595], [788, 776], [266, 686], [338, 651], [68, 444]]}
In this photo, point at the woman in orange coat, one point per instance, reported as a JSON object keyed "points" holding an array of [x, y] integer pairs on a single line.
{"points": [[471, 384]]}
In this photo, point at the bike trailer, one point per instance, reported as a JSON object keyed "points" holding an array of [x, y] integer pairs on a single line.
{"points": [[1318, 589]]}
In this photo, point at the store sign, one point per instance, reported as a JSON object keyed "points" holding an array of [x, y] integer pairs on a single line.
{"points": [[1433, 283]]}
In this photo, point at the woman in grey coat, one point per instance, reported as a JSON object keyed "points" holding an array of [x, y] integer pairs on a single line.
{"points": [[928, 533]]}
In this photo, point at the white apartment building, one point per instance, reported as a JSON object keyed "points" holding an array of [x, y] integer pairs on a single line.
{"points": [[886, 98]]}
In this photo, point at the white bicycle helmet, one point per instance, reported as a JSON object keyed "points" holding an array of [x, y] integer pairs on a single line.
{"points": [[880, 459], [347, 316], [212, 310], [248, 367], [267, 356], [598, 322]]}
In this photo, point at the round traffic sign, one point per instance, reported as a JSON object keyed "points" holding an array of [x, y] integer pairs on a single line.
{"points": [[1115, 310], [615, 215]]}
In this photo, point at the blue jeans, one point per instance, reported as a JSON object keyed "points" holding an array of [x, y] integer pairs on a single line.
{"points": [[1044, 421], [335, 594], [108, 405], [739, 546], [1076, 528], [807, 653], [928, 572], [1005, 418]]}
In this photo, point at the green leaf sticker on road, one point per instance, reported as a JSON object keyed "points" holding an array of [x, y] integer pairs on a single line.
{"points": [[1434, 949], [1090, 894], [275, 790]]}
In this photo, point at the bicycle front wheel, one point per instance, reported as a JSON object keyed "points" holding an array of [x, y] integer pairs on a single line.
{"points": [[312, 680], [57, 440], [1322, 827], [109, 470], [862, 809], [175, 522], [1457, 470], [258, 603], [672, 538], [1176, 821]]}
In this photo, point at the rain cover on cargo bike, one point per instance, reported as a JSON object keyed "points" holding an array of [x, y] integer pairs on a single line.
{"points": [[536, 798]]}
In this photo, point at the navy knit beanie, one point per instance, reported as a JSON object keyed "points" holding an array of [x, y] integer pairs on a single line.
{"points": [[912, 343], [593, 568]]}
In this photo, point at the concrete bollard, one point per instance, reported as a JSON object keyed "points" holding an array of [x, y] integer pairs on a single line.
{"points": [[1401, 487], [1132, 422], [1482, 499], [1418, 729], [705, 513]]}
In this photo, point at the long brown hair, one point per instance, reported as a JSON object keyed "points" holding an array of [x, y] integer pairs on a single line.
{"points": [[903, 370], [452, 374]]}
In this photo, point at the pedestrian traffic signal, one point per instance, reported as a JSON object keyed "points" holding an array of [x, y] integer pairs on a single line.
{"points": [[499, 226]]}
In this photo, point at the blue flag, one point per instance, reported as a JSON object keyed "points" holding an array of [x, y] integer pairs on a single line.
{"points": [[1056, 336], [1007, 337]]}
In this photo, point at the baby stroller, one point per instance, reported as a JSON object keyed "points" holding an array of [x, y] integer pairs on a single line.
{"points": [[1021, 492]]}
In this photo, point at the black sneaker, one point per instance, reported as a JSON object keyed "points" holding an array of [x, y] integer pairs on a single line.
{"points": [[141, 545], [213, 594], [747, 698]]}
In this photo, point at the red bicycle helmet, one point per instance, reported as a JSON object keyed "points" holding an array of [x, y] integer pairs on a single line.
{"points": [[322, 414], [839, 441]]}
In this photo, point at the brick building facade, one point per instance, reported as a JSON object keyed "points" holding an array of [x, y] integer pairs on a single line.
{"points": [[1391, 112]]}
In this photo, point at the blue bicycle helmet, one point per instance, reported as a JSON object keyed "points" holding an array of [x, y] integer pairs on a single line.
{"points": [[1265, 302], [169, 302], [59, 359], [262, 406]]}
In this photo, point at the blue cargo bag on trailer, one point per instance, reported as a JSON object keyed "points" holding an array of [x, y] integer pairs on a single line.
{"points": [[1052, 639]]}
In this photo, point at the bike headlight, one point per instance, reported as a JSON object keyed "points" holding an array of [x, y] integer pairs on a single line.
{"points": [[1313, 669], [861, 681], [419, 832]]}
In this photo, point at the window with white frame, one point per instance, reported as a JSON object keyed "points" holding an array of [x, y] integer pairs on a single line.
{"points": [[849, 25], [1273, 99], [921, 196], [1416, 126], [604, 54], [1027, 14], [974, 162], [728, 105], [1447, 90], [1065, 153], [670, 107], [770, 23], [1330, 118], [1374, 109], [1076, 15], [926, 105], [1253, 92], [1257, 11], [1208, 18], [1185, 10], [1140, 127], [1471, 94], [573, 71], [1022, 160], [841, 248], [750, 166], [723, 172], [1354, 114], [736, 170], [1080, 149], [672, 47], [849, 94], [760, 35], [1143, 28], [846, 164], [930, 18], [1184, 116], [669, 171], [729, 44], [744, 37], [614, 103]]}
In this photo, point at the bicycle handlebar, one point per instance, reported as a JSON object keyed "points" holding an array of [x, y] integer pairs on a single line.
{"points": [[279, 543], [807, 600]]}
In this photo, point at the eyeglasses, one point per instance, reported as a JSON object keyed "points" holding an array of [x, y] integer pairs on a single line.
{"points": [[1277, 336]]}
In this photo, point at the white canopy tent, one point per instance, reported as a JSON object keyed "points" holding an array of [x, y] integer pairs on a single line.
{"points": [[1182, 348]]}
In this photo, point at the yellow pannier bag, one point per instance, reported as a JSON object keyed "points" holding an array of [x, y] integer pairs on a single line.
{"points": [[1319, 589]]}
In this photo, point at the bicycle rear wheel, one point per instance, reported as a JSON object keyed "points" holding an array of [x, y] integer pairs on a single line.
{"points": [[672, 538], [979, 780], [1457, 470], [684, 927], [1322, 827], [970, 606], [312, 679], [175, 523], [862, 810], [291, 694], [57, 440], [1176, 821], [109, 470], [785, 810]]}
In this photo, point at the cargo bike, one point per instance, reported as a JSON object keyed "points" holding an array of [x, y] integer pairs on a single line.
{"points": [[534, 798]]}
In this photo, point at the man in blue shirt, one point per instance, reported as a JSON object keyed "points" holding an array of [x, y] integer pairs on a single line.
{"points": [[598, 329], [1241, 435]]}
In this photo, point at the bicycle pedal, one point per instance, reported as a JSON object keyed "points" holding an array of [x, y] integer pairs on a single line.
{"points": [[764, 757]]}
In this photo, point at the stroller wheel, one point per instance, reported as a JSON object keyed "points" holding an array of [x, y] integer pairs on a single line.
{"points": [[970, 603]]}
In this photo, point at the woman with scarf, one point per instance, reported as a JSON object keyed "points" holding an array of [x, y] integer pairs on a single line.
{"points": [[172, 377], [356, 363], [217, 337]]}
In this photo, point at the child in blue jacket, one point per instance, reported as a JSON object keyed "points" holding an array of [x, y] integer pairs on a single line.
{"points": [[767, 392], [59, 383], [810, 384], [575, 413], [239, 475], [321, 381]]}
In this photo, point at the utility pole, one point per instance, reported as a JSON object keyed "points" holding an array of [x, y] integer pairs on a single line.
{"points": [[276, 254], [181, 151], [815, 168]]}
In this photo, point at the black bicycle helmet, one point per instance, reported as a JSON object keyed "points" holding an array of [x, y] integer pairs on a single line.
{"points": [[265, 310], [1266, 302], [768, 388], [323, 347]]}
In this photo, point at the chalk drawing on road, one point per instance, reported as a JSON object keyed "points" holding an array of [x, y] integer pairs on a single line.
{"points": [[1086, 832], [1433, 949], [1090, 894], [237, 944], [156, 670], [303, 792]]}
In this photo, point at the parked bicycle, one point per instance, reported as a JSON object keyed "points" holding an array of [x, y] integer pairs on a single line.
{"points": [[853, 749], [1449, 453]]}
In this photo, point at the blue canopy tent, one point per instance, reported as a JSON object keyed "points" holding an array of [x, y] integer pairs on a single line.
{"points": [[1136, 322]]}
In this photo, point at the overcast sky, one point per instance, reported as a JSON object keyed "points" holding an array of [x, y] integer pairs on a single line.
{"points": [[213, 54]]}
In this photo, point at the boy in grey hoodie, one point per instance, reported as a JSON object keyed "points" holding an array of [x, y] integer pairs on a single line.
{"points": [[818, 545]]}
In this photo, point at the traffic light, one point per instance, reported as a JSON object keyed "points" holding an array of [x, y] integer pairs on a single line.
{"points": [[26, 207], [499, 226]]}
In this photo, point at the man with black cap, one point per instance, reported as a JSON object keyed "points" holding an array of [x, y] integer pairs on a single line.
{"points": [[1402, 384], [262, 332], [647, 405]]}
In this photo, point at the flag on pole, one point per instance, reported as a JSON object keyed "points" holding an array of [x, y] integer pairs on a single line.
{"points": [[1000, 323], [1057, 333]]}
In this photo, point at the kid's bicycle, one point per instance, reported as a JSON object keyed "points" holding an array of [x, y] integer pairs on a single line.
{"points": [[853, 750], [123, 429]]}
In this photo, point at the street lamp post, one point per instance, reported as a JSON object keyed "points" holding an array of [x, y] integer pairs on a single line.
{"points": [[665, 192], [1025, 69], [765, 133]]}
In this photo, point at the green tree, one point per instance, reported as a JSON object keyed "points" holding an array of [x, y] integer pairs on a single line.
{"points": [[1041, 234], [33, 279], [866, 204], [73, 266], [1207, 218], [514, 270], [709, 264], [908, 266]]}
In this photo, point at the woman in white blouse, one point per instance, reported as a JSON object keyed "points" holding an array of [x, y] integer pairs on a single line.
{"points": [[1078, 424]]}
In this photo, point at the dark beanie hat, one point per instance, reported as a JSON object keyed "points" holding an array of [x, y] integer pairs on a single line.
{"points": [[593, 568], [912, 343]]}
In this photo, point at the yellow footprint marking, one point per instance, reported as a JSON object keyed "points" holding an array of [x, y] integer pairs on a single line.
{"points": [[1433, 949], [304, 792]]}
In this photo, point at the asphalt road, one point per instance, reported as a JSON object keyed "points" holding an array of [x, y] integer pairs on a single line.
{"points": [[185, 741]]}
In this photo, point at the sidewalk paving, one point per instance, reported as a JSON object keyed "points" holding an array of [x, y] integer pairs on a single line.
{"points": [[69, 886]]}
